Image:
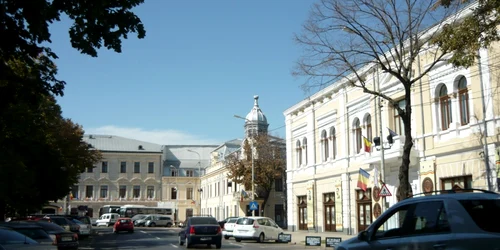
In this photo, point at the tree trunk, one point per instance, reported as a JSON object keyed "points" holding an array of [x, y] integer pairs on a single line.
{"points": [[266, 198], [404, 190], [2, 210]]}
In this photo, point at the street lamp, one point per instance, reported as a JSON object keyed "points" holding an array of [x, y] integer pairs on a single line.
{"points": [[199, 176], [253, 168]]}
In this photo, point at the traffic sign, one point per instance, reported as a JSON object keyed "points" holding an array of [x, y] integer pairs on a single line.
{"points": [[384, 191], [254, 205]]}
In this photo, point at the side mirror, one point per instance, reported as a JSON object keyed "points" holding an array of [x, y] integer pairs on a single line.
{"points": [[363, 236]]}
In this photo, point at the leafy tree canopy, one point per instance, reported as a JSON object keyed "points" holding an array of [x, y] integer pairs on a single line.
{"points": [[269, 164]]}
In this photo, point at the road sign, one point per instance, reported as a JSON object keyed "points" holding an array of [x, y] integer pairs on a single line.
{"points": [[384, 191], [254, 205]]}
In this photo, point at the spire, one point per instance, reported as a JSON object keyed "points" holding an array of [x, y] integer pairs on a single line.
{"points": [[256, 101]]}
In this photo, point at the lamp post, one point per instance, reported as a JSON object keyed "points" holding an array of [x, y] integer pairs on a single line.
{"points": [[199, 176], [253, 168]]}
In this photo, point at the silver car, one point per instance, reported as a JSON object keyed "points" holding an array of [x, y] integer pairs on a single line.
{"points": [[450, 220], [156, 220]]}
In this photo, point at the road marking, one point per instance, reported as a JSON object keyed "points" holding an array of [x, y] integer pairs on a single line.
{"points": [[236, 244], [174, 245], [158, 238], [144, 232]]}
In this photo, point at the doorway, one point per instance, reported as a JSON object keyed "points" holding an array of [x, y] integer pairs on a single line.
{"points": [[364, 205], [302, 209], [329, 211]]}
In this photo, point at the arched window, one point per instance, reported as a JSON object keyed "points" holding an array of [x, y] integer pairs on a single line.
{"points": [[324, 145], [299, 153], [463, 100], [357, 136], [333, 138], [369, 127], [445, 105], [304, 146]]}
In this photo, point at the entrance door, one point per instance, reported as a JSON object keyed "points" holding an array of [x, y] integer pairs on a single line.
{"points": [[279, 215], [329, 211], [364, 205], [302, 208]]}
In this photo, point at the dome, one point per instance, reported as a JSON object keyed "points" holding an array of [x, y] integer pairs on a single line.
{"points": [[256, 115]]}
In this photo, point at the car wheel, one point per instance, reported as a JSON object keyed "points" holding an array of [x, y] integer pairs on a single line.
{"points": [[152, 225], [226, 237], [237, 239], [188, 245], [218, 245], [180, 241], [169, 224], [261, 238], [114, 231]]}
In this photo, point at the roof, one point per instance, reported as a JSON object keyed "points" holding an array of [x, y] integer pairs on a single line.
{"points": [[187, 156], [113, 143], [256, 115]]}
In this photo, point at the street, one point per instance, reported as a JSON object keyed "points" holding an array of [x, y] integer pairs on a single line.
{"points": [[162, 238]]}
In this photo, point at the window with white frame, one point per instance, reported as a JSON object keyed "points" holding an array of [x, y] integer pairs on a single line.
{"points": [[358, 142], [304, 147], [368, 122], [151, 192], [89, 191], [137, 191], [333, 138], [123, 191], [299, 153], [324, 145], [463, 100], [189, 173], [104, 192], [445, 107], [399, 126], [189, 194], [173, 193]]}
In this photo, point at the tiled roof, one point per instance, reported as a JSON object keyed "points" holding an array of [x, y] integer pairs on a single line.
{"points": [[121, 144]]}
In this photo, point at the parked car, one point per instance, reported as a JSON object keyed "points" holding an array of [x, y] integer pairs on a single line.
{"points": [[201, 230], [64, 222], [157, 220], [62, 238], [93, 222], [84, 230], [10, 240], [108, 219], [123, 224], [31, 230], [449, 220], [256, 228], [227, 230], [223, 222], [137, 217]]}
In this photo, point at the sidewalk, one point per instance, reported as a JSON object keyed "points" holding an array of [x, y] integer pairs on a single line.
{"points": [[299, 237]]}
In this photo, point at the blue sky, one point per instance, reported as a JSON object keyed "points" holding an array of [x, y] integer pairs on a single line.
{"points": [[200, 63]]}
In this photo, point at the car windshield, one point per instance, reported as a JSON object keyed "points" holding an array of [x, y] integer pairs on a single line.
{"points": [[34, 233], [484, 213], [50, 227], [124, 221], [204, 220], [9, 237], [245, 221], [232, 220], [78, 222], [85, 220], [138, 217]]}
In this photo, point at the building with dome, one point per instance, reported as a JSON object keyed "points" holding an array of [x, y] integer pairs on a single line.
{"points": [[221, 197]]}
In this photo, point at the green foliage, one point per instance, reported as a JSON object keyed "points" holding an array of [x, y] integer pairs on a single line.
{"points": [[269, 164], [465, 38]]}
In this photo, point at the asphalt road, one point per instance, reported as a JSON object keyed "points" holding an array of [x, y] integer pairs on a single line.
{"points": [[162, 238]]}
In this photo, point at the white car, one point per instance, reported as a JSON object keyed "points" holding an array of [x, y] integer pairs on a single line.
{"points": [[227, 231], [108, 219], [85, 229], [256, 228]]}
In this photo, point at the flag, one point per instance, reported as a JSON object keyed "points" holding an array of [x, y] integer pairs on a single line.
{"points": [[363, 179], [368, 145], [392, 132], [193, 202], [71, 196]]}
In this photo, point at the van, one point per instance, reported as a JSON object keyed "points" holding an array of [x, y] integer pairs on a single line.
{"points": [[158, 220], [107, 219]]}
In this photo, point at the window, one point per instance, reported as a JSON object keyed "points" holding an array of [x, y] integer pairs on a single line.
{"points": [[304, 146], [123, 167], [89, 191], [333, 138], [369, 128], [484, 213], [463, 100], [399, 127], [445, 107], [151, 167], [173, 193], [357, 136], [174, 172], [137, 191], [299, 153], [90, 169], [123, 191], [324, 145], [189, 173], [104, 167], [189, 193], [104, 192], [151, 192], [278, 185], [392, 225], [137, 167], [74, 192], [457, 183]]}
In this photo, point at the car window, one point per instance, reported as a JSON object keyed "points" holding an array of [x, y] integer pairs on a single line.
{"points": [[124, 221], [85, 220], [34, 233], [484, 213], [48, 226], [147, 218], [138, 217], [429, 218], [59, 221], [8, 237], [232, 220], [245, 221], [203, 220], [77, 222], [392, 225]]}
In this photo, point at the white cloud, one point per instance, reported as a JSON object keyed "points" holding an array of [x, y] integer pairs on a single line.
{"points": [[162, 137]]}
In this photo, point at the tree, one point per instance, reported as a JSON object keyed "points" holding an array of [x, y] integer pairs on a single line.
{"points": [[475, 31], [41, 154], [269, 165], [25, 31], [350, 41]]}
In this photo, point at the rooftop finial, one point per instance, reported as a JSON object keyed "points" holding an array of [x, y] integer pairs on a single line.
{"points": [[256, 100]]}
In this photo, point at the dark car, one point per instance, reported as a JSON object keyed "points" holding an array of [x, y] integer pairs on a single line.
{"points": [[201, 231], [59, 236], [10, 239], [31, 230], [64, 222]]}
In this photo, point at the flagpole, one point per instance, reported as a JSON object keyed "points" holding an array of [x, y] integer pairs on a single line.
{"points": [[382, 155]]}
